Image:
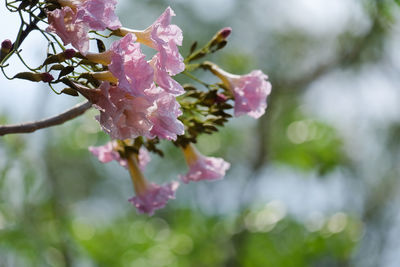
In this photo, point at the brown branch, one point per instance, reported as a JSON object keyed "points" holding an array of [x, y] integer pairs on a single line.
{"points": [[30, 127]]}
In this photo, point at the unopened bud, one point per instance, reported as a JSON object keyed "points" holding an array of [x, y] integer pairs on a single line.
{"points": [[225, 32], [69, 53], [221, 98], [46, 77], [221, 36], [6, 45]]}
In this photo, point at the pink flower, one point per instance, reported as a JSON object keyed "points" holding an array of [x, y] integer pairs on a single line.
{"points": [[154, 197], [108, 153], [121, 115], [143, 158], [124, 116], [163, 78], [99, 14], [165, 38], [201, 167], [164, 115], [76, 17], [64, 23], [149, 196], [250, 91], [129, 65]]}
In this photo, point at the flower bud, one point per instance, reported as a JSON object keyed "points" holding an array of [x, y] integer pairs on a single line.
{"points": [[221, 36], [69, 53], [225, 32], [221, 98], [6, 45], [46, 77]]}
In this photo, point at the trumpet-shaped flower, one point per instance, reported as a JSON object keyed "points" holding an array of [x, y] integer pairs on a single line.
{"points": [[109, 152], [64, 23], [99, 14], [154, 197], [123, 116], [149, 196], [76, 17], [250, 91], [165, 38], [164, 114], [202, 167], [129, 66]]}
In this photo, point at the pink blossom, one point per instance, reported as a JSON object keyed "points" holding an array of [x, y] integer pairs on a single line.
{"points": [[121, 115], [154, 197], [201, 167], [99, 14], [107, 153], [64, 23], [165, 38], [163, 78], [149, 196], [129, 65], [164, 115], [250, 91], [76, 17]]}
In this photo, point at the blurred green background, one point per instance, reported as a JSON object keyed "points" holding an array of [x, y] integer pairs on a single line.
{"points": [[314, 182]]}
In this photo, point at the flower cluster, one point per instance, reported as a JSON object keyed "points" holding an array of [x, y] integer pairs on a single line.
{"points": [[138, 99], [76, 18]]}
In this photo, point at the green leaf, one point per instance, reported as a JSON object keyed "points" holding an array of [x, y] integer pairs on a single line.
{"points": [[70, 91], [67, 70], [30, 76]]}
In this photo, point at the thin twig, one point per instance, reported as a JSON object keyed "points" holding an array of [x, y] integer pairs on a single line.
{"points": [[30, 127]]}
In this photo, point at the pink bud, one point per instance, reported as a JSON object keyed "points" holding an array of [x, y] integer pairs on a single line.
{"points": [[6, 45], [69, 53], [221, 98], [47, 77], [225, 32]]}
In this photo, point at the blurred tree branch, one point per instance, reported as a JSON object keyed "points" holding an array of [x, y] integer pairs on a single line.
{"points": [[30, 127]]}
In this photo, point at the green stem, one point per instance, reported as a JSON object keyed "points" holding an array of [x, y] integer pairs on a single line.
{"points": [[191, 76]]}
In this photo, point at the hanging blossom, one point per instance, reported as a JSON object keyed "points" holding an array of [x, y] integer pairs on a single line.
{"points": [[127, 66], [165, 38], [123, 116], [250, 91], [109, 152], [64, 23], [149, 196], [77, 17], [202, 167], [164, 115]]}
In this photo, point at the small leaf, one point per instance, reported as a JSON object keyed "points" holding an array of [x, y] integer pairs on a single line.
{"points": [[100, 46], [199, 55], [70, 91], [52, 59], [30, 76], [57, 67], [67, 70], [193, 47], [219, 46]]}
